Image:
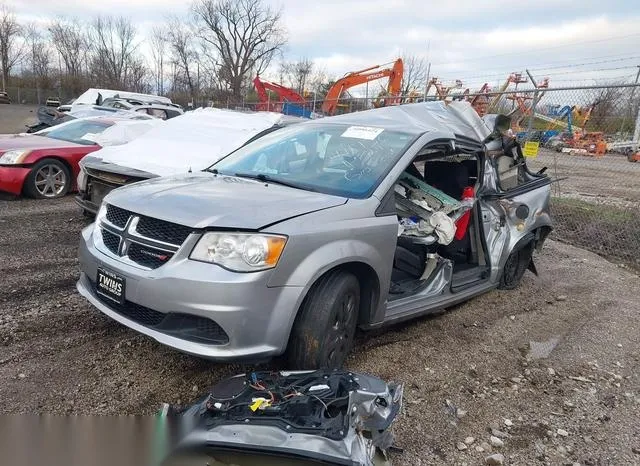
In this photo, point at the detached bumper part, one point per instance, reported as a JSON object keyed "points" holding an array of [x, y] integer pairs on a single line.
{"points": [[337, 417]]}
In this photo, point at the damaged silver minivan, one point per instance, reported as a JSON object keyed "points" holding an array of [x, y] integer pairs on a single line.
{"points": [[293, 241]]}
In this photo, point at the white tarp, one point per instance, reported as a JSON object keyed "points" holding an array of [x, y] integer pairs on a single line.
{"points": [[193, 141], [86, 111], [90, 96], [124, 131]]}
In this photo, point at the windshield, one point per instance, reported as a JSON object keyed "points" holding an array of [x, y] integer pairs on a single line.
{"points": [[79, 132], [343, 160]]}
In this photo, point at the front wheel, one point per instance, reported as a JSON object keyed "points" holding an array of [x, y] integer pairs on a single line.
{"points": [[324, 330], [515, 267], [48, 179]]}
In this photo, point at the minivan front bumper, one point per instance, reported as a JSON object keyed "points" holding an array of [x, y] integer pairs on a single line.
{"points": [[255, 319]]}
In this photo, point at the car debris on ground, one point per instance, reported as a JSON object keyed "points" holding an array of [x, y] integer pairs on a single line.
{"points": [[334, 417]]}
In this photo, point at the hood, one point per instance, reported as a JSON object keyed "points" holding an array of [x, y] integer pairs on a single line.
{"points": [[193, 141], [31, 142], [206, 200], [173, 158]]}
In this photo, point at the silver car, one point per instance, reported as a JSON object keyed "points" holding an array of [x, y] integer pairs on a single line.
{"points": [[292, 242]]}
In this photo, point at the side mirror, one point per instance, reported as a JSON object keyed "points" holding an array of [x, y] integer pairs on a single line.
{"points": [[501, 125]]}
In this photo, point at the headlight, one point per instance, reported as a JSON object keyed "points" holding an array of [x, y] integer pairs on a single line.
{"points": [[13, 156], [102, 213], [240, 252]]}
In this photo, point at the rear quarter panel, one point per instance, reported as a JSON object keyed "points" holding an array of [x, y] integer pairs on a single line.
{"points": [[501, 240]]}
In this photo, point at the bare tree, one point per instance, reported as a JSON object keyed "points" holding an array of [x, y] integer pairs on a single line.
{"points": [[297, 73], [70, 40], [604, 111], [137, 76], [158, 45], [11, 51], [414, 77], [39, 54], [245, 34], [114, 45], [183, 54]]}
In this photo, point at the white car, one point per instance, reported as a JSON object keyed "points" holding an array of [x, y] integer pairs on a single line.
{"points": [[189, 142]]}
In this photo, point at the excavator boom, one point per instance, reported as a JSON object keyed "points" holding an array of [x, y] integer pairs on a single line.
{"points": [[363, 76], [284, 94]]}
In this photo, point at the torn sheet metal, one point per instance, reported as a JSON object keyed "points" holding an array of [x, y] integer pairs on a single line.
{"points": [[425, 210], [338, 417]]}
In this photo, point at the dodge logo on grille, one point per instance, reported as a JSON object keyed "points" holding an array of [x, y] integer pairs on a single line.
{"points": [[162, 257]]}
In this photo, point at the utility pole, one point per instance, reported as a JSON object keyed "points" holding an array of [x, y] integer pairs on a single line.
{"points": [[533, 105], [426, 84], [366, 96], [629, 109]]}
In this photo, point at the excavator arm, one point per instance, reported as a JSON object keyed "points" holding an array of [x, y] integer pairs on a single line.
{"points": [[355, 78], [283, 93]]}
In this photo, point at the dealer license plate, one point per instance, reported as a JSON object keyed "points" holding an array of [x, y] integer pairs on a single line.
{"points": [[110, 285]]}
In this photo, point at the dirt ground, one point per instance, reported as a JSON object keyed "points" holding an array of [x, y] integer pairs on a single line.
{"points": [[553, 367], [13, 118], [610, 179], [478, 366]]}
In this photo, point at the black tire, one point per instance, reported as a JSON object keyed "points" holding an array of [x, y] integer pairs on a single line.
{"points": [[515, 267], [56, 178], [323, 333]]}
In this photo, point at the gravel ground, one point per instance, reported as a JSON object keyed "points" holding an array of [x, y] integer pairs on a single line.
{"points": [[13, 117], [553, 367], [609, 180]]}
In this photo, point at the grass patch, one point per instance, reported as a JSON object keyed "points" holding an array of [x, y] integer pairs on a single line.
{"points": [[612, 232]]}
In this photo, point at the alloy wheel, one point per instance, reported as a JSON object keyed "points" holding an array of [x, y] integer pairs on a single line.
{"points": [[50, 181], [340, 333]]}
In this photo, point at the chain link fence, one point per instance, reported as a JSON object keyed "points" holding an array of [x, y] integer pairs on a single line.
{"points": [[586, 138]]}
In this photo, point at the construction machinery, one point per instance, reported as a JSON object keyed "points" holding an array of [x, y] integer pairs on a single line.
{"points": [[513, 78], [443, 92], [394, 86], [288, 101], [479, 100]]}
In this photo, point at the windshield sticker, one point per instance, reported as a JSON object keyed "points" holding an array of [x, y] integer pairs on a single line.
{"points": [[362, 132]]}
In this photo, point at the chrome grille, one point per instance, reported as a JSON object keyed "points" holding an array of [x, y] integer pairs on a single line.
{"points": [[145, 241]]}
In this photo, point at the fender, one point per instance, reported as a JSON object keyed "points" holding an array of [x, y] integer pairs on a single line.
{"points": [[334, 254], [328, 256]]}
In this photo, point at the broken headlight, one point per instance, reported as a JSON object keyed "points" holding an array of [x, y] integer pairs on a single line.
{"points": [[240, 252]]}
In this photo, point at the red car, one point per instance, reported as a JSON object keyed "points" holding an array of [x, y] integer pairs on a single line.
{"points": [[44, 165]]}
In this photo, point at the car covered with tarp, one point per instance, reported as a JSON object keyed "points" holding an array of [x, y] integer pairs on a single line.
{"points": [[187, 143]]}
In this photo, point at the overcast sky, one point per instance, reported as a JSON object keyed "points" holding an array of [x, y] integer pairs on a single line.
{"points": [[571, 41]]}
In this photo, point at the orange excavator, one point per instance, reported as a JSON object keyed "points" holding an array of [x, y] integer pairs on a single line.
{"points": [[394, 87], [284, 95]]}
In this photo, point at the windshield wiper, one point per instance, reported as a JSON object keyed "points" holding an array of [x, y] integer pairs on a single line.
{"points": [[267, 179]]}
